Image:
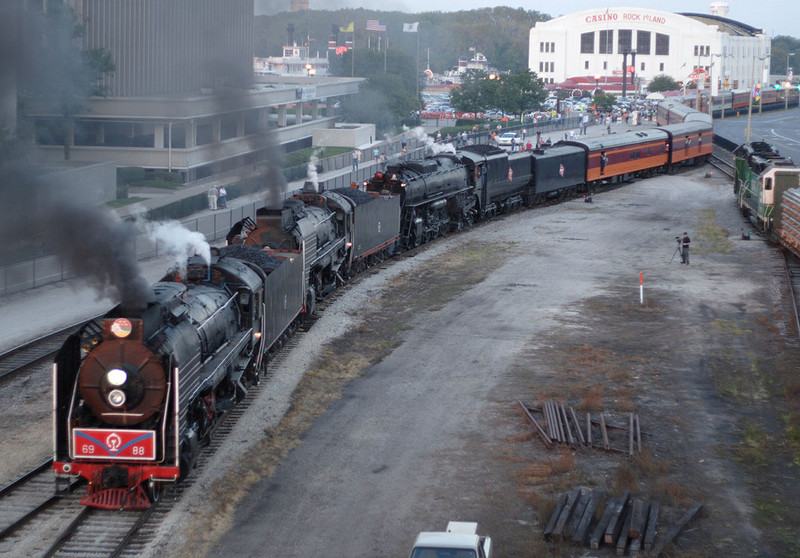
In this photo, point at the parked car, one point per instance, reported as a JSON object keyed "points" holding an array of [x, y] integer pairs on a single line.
{"points": [[505, 140]]}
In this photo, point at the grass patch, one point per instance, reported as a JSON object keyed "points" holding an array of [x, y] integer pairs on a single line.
{"points": [[710, 237], [753, 449]]}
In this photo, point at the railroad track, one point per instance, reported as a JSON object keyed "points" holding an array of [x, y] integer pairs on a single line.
{"points": [[18, 359], [792, 267], [720, 161]]}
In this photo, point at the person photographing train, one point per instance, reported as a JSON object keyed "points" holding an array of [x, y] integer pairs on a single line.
{"points": [[685, 242]]}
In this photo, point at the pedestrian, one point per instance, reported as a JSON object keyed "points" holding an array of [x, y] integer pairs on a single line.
{"points": [[608, 129], [223, 197], [524, 134], [513, 144], [685, 242], [376, 153], [464, 137], [403, 142], [213, 194], [356, 156], [382, 161]]}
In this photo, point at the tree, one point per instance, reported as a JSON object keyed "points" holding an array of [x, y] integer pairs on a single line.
{"points": [[521, 91], [782, 47], [604, 100], [662, 82], [476, 93], [513, 93], [386, 98], [56, 75]]}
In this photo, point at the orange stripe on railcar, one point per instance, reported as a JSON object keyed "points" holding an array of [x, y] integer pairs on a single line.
{"points": [[627, 160]]}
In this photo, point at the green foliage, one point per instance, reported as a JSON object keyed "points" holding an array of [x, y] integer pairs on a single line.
{"points": [[512, 93], [500, 33], [128, 175], [604, 100], [387, 97], [781, 46], [662, 82]]}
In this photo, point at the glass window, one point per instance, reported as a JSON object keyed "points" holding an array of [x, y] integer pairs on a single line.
{"points": [[607, 41], [661, 67], [552, 47], [586, 65], [587, 43], [696, 50], [641, 67], [624, 40], [541, 47], [662, 44], [643, 42]]}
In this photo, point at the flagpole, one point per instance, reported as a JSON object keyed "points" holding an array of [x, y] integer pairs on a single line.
{"points": [[417, 74], [385, 49], [353, 55]]}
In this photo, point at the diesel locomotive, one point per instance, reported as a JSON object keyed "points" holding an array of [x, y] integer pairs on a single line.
{"points": [[767, 189]]}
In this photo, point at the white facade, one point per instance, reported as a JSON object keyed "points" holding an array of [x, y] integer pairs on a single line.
{"points": [[592, 43]]}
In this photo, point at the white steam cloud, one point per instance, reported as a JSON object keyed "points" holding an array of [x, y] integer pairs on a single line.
{"points": [[431, 146], [177, 241]]}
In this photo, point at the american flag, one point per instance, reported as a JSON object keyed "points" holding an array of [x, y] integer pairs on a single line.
{"points": [[376, 25]]}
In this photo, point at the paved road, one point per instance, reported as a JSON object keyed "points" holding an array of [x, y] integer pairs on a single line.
{"points": [[780, 128]]}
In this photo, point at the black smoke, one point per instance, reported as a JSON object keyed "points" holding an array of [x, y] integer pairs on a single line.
{"points": [[98, 247]]}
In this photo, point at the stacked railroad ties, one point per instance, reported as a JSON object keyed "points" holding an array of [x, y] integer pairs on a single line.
{"points": [[626, 524], [790, 220], [562, 426]]}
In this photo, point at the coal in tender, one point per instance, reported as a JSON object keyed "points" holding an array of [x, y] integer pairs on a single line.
{"points": [[356, 196], [250, 254]]}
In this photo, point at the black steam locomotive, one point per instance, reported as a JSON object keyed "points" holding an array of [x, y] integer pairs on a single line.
{"points": [[137, 392]]}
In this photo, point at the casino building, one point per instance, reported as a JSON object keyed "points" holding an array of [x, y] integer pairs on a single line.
{"points": [[589, 49]]}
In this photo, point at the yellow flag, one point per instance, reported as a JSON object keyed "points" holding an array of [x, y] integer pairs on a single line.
{"points": [[348, 28]]}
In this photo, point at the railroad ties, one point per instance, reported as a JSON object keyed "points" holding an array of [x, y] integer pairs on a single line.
{"points": [[558, 424], [626, 524]]}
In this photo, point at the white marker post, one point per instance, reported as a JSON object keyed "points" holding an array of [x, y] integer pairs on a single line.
{"points": [[641, 287]]}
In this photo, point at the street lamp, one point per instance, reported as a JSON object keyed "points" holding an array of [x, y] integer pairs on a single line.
{"points": [[596, 83], [750, 97], [761, 82], [786, 89], [308, 69]]}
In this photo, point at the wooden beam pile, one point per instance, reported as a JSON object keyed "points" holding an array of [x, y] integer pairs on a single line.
{"points": [[626, 524], [560, 424], [788, 228]]}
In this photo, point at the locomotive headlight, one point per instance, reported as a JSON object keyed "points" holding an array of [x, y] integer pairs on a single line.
{"points": [[116, 398], [116, 377]]}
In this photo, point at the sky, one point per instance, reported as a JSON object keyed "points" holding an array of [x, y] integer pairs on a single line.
{"points": [[776, 17]]}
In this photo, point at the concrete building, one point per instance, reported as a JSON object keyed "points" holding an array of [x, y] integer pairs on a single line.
{"points": [[183, 97], [594, 44]]}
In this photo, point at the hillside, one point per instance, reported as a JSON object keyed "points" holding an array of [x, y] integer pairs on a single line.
{"points": [[499, 33]]}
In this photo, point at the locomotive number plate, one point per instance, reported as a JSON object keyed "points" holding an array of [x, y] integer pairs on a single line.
{"points": [[102, 443]]}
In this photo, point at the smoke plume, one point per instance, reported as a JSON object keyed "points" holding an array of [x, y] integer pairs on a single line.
{"points": [[177, 241]]}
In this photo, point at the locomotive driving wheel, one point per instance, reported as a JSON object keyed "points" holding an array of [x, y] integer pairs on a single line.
{"points": [[154, 490]]}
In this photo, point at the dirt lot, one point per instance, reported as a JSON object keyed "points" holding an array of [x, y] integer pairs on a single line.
{"points": [[539, 305]]}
